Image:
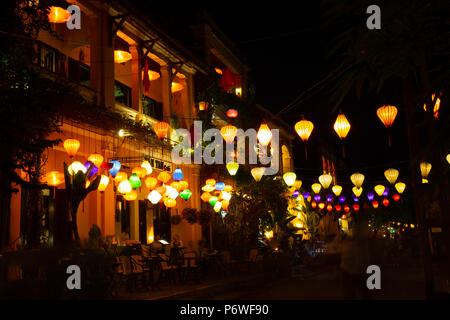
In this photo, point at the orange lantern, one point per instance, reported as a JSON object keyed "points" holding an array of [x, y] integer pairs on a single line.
{"points": [[205, 196], [228, 133], [203, 105], [341, 126], [161, 128], [96, 159], [120, 176], [387, 115], [139, 171], [264, 134], [232, 113], [151, 182], [71, 146], [104, 181], [304, 129], [437, 104], [54, 178], [161, 190], [164, 176], [176, 87], [58, 15], [210, 182], [225, 204], [170, 203], [176, 185], [130, 196], [184, 184], [122, 56]]}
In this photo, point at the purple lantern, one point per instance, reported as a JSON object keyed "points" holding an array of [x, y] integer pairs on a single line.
{"points": [[329, 197], [355, 198], [94, 168], [370, 196], [342, 199], [296, 194], [386, 192], [317, 197], [305, 195]]}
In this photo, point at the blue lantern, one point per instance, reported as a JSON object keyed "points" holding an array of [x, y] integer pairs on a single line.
{"points": [[94, 168], [317, 197], [220, 186], [177, 174], [370, 196], [386, 192], [329, 197], [341, 199], [115, 168]]}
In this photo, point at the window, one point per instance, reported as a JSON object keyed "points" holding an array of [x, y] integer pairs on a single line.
{"points": [[122, 94], [51, 59], [152, 108], [79, 72], [161, 222]]}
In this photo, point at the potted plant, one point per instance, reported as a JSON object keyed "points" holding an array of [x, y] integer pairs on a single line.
{"points": [[175, 219], [190, 215]]}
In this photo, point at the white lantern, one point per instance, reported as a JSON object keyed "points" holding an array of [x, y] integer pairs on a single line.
{"points": [[154, 197]]}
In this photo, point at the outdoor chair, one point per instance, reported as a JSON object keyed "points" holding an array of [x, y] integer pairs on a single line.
{"points": [[129, 273], [140, 271], [190, 268], [168, 271]]}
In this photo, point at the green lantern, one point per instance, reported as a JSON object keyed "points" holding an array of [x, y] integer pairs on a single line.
{"points": [[134, 181], [213, 200], [186, 194]]}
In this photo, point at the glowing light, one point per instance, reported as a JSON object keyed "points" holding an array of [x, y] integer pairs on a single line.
{"points": [[337, 190], [171, 193], [375, 204], [400, 186], [219, 186], [184, 185], [176, 87], [387, 115], [264, 134], [316, 187], [121, 56], [346, 208], [317, 197], [139, 171], [289, 178], [341, 199], [210, 182], [161, 128], [305, 195], [379, 189], [329, 197], [304, 129], [357, 191], [213, 200], [232, 113], [121, 176], [232, 168], [298, 184], [205, 196], [321, 205], [71, 146], [341, 126], [177, 174], [396, 197], [257, 173], [425, 169], [94, 169], [436, 106], [115, 168], [385, 202], [58, 15], [124, 187], [357, 179], [228, 188], [130, 196], [147, 166], [186, 194], [313, 204], [386, 192], [104, 181], [391, 175], [75, 167], [176, 185], [203, 105], [164, 176], [268, 234], [169, 202], [218, 206], [228, 133], [208, 188], [356, 207], [338, 208], [151, 182], [370, 196], [135, 182], [54, 178], [225, 195], [96, 159], [325, 180]]}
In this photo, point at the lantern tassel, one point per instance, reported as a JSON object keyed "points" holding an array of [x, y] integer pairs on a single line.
{"points": [[389, 140], [306, 152], [343, 151]]}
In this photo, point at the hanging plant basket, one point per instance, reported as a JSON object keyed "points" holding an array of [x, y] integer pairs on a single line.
{"points": [[176, 219], [190, 215]]}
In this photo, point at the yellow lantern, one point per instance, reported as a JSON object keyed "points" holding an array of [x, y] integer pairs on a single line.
{"points": [[387, 115], [264, 134], [164, 176], [225, 204], [210, 182], [130, 196], [337, 190], [170, 203], [139, 171], [217, 206], [58, 15], [304, 129], [176, 87], [297, 184], [228, 188], [75, 167], [448, 158], [122, 56], [341, 126], [96, 159], [124, 187], [357, 179], [289, 178], [321, 205], [71, 146], [425, 169], [87, 184], [232, 168], [400, 186], [208, 188], [357, 191], [257, 173], [391, 175], [316, 187], [146, 165], [379, 189], [176, 185], [228, 133], [104, 181], [120, 176], [54, 178], [151, 182], [325, 180], [268, 234], [436, 106], [184, 185]]}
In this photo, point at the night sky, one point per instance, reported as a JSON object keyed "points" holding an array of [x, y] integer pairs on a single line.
{"points": [[287, 49]]}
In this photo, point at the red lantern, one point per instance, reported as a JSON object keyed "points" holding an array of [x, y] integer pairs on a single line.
{"points": [[356, 207], [346, 208], [338, 208], [375, 204], [385, 202], [161, 128], [396, 197], [313, 204], [232, 113], [329, 207], [344, 217]]}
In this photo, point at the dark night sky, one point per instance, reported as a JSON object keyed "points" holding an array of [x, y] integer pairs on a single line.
{"points": [[287, 51]]}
